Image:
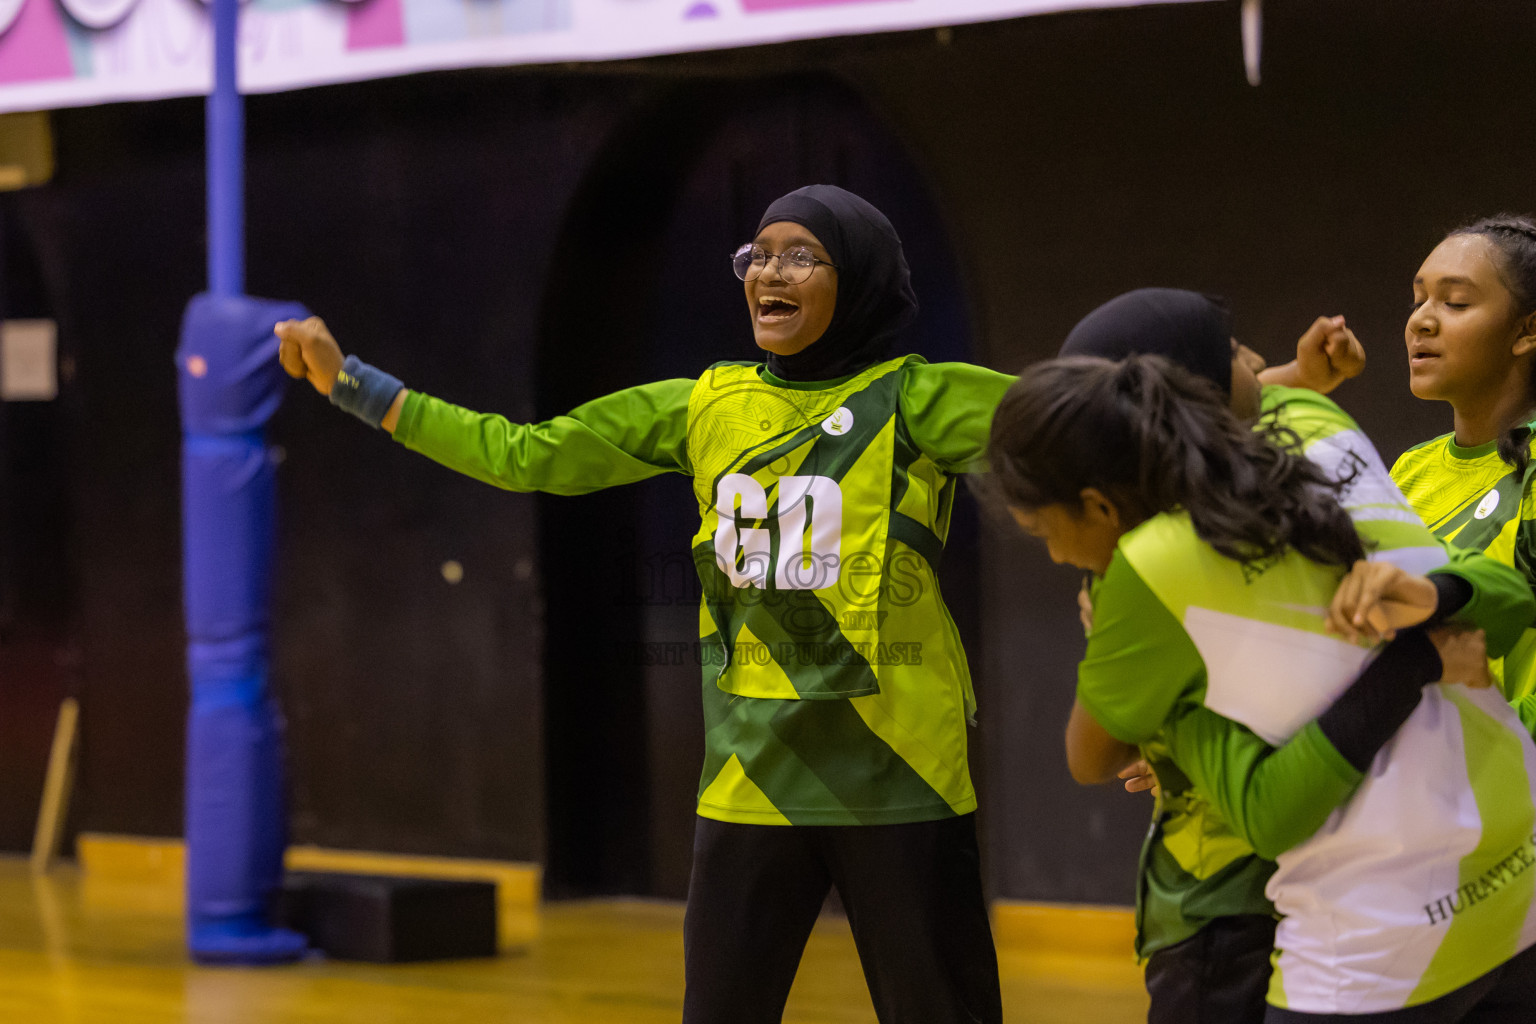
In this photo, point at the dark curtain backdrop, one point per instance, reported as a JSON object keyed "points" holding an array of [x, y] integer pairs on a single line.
{"points": [[452, 228]]}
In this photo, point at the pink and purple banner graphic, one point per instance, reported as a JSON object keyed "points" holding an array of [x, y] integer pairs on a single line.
{"points": [[57, 53]]}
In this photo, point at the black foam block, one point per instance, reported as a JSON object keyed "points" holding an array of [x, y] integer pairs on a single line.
{"points": [[384, 919]]}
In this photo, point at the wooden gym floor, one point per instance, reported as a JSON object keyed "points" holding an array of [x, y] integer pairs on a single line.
{"points": [[79, 950]]}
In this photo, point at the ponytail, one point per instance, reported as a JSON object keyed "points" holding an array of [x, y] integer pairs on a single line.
{"points": [[1154, 438], [1514, 238], [1515, 447]]}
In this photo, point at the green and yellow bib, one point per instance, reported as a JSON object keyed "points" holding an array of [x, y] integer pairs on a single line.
{"points": [[1472, 498], [835, 688]]}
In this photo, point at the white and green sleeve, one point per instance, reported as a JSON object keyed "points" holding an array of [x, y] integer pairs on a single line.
{"points": [[1140, 661]]}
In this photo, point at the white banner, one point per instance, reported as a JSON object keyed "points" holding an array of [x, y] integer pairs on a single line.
{"points": [[71, 52]]}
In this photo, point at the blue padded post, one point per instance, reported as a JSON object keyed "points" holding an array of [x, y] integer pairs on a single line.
{"points": [[230, 385]]}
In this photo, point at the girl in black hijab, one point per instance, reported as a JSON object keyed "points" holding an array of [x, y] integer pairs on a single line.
{"points": [[874, 289], [836, 694], [1195, 331]]}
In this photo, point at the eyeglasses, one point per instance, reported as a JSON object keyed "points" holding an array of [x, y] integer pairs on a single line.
{"points": [[795, 265]]}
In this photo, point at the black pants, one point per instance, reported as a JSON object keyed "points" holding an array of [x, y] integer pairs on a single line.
{"points": [[1219, 975], [1505, 995], [914, 901]]}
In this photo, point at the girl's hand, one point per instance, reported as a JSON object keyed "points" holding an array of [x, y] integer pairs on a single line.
{"points": [[1328, 355], [306, 349], [1377, 599], [1139, 777], [1463, 654], [1085, 607]]}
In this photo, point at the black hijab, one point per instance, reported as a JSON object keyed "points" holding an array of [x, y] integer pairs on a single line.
{"points": [[874, 289], [1185, 327]]}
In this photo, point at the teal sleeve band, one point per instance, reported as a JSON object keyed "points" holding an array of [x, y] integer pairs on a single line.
{"points": [[364, 391]]}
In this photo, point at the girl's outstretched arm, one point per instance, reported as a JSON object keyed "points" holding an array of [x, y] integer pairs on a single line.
{"points": [[620, 438]]}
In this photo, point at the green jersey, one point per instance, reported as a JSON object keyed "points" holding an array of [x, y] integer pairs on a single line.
{"points": [[1472, 498], [835, 688]]}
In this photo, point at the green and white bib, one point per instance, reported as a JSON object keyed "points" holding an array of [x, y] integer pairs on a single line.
{"points": [[1447, 804]]}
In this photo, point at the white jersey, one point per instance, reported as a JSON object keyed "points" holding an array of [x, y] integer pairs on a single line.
{"points": [[1421, 883]]}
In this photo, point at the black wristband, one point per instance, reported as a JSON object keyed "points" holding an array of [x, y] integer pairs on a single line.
{"points": [[364, 391], [1452, 593], [1381, 699]]}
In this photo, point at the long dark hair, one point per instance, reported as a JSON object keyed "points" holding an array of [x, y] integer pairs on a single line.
{"points": [[1155, 438], [1514, 239]]}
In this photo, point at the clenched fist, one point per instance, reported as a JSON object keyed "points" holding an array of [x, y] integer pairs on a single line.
{"points": [[306, 349], [1329, 354]]}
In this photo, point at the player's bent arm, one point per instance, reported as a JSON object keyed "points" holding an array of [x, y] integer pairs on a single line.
{"points": [[1273, 798], [620, 438], [1287, 375], [1500, 602], [1139, 667], [1471, 590], [1093, 755], [1327, 355], [1277, 797]]}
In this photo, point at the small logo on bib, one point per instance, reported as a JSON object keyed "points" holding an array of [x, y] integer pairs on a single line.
{"points": [[839, 423], [1487, 505]]}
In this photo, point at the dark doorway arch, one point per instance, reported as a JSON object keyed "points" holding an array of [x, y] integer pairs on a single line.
{"points": [[641, 290], [39, 581]]}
